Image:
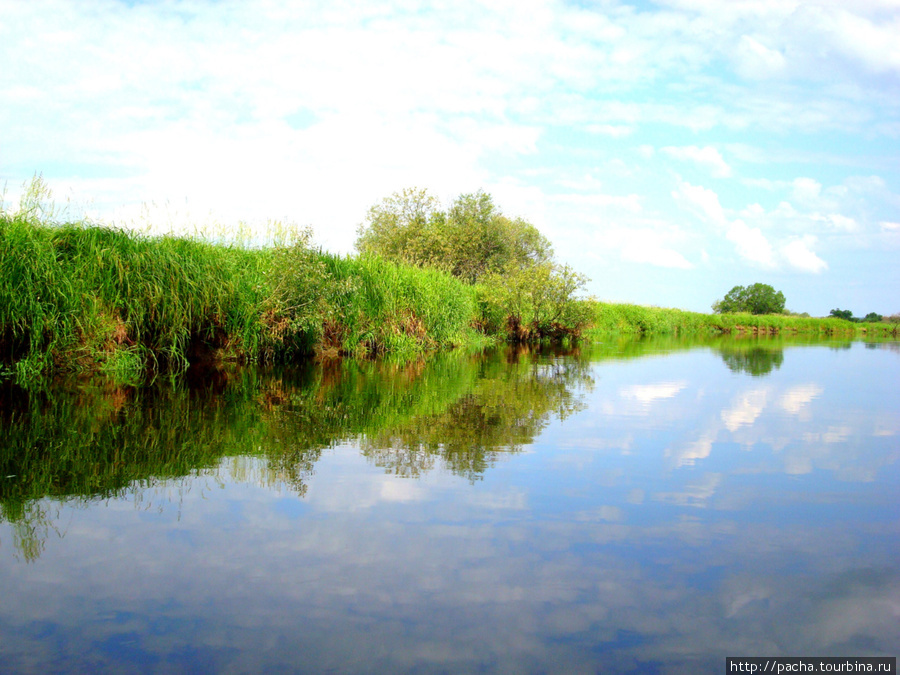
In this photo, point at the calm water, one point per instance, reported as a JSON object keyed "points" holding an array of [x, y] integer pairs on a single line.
{"points": [[633, 507]]}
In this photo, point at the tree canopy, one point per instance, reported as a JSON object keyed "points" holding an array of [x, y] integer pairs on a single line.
{"points": [[469, 239], [847, 315], [844, 314], [520, 288], [755, 299]]}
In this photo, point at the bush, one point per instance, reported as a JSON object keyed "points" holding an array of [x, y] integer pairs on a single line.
{"points": [[534, 303]]}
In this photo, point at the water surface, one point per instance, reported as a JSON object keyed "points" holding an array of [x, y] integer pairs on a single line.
{"points": [[634, 506]]}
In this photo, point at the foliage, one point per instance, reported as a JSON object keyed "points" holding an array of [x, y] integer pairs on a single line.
{"points": [[375, 306], [80, 297], [522, 293], [469, 239], [847, 315], [844, 314], [609, 318], [534, 302], [755, 299]]}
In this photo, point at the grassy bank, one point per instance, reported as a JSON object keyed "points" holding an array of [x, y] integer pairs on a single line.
{"points": [[77, 297], [611, 318]]}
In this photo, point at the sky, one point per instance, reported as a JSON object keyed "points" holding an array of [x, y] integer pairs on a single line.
{"points": [[669, 150]]}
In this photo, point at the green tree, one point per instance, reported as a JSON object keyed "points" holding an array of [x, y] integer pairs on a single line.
{"points": [[469, 239], [844, 314], [873, 317], [755, 299], [397, 227]]}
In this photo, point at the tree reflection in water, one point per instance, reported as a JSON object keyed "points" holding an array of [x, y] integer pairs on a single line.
{"points": [[82, 443]]}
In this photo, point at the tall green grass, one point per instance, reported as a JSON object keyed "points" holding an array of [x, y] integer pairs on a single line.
{"points": [[80, 297], [378, 307]]}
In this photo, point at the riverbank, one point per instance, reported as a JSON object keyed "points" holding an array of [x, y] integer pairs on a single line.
{"points": [[611, 318], [82, 298]]}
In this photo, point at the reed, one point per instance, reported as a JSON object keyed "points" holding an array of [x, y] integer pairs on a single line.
{"points": [[376, 307], [85, 298]]}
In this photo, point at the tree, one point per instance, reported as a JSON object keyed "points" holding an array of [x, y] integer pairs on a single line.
{"points": [[397, 226], [844, 314], [873, 317], [755, 299], [470, 239]]}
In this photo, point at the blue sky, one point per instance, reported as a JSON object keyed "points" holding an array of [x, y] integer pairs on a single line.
{"points": [[670, 150]]}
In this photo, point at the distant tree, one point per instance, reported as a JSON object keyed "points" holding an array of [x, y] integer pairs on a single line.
{"points": [[755, 299], [470, 239], [844, 314], [873, 317]]}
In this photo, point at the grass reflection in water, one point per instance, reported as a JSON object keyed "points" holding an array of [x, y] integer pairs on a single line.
{"points": [[84, 443]]}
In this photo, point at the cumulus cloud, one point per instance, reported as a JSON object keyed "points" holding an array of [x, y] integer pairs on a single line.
{"points": [[311, 113], [614, 130], [706, 156], [688, 453], [807, 190], [751, 243], [652, 254], [703, 200], [800, 256], [841, 222]]}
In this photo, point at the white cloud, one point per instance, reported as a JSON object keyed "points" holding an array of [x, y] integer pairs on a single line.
{"points": [[401, 490], [873, 43], [696, 494], [312, 112], [807, 190], [840, 222], [754, 60], [799, 255], [704, 200], [751, 244], [707, 156], [614, 130], [653, 254]]}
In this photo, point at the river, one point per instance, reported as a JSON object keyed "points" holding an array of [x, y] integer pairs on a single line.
{"points": [[629, 506]]}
